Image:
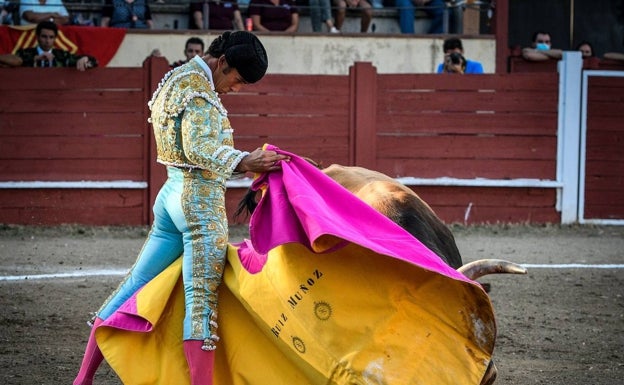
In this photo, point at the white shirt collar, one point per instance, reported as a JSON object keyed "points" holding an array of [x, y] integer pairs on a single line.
{"points": [[203, 64], [40, 51]]}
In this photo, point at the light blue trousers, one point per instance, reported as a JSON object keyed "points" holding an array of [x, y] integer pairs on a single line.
{"points": [[189, 219]]}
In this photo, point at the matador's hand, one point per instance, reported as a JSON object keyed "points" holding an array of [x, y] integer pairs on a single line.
{"points": [[261, 161]]}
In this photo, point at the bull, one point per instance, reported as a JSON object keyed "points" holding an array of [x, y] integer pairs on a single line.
{"points": [[404, 207]]}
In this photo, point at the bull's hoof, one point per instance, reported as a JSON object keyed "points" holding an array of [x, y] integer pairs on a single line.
{"points": [[490, 374]]}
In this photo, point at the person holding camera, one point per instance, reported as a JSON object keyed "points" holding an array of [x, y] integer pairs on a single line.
{"points": [[454, 60], [454, 63]]}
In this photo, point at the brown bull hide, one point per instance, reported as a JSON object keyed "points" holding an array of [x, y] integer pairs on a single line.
{"points": [[402, 205]]}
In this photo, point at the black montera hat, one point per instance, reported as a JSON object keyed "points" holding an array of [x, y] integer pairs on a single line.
{"points": [[243, 51]]}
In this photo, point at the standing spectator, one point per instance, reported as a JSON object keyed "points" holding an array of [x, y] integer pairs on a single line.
{"points": [[127, 14], [274, 15], [35, 11], [321, 12], [433, 8], [363, 5], [222, 15], [541, 48], [454, 45], [587, 50], [194, 47], [45, 55]]}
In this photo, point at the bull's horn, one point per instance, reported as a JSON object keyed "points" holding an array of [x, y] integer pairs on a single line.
{"points": [[476, 269]]}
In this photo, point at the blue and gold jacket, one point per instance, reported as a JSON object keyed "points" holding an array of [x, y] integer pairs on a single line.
{"points": [[190, 124]]}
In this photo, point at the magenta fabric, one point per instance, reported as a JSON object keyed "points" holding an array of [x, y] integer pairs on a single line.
{"points": [[127, 318], [302, 204]]}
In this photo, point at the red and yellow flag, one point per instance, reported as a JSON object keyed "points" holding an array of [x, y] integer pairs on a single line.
{"points": [[101, 43]]}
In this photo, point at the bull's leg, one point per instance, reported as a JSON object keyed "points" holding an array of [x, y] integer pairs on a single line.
{"points": [[490, 374]]}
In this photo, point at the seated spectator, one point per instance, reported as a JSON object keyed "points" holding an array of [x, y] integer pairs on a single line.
{"points": [[35, 11], [586, 49], [321, 12], [45, 55], [222, 15], [541, 49], [127, 14], [194, 47], [363, 5], [274, 15], [454, 45], [6, 11], [433, 8]]}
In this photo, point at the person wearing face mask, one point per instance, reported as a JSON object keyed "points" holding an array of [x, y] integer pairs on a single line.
{"points": [[541, 48], [194, 141]]}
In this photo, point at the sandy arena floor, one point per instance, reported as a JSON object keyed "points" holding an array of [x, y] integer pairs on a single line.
{"points": [[561, 324]]}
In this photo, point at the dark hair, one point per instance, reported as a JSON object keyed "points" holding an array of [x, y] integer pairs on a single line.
{"points": [[540, 32], [243, 51], [195, 40], [452, 43], [585, 42], [46, 24]]}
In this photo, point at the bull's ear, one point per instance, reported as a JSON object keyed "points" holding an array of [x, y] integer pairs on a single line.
{"points": [[312, 162]]}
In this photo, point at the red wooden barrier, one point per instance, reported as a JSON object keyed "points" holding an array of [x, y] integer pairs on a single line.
{"points": [[62, 125], [604, 165]]}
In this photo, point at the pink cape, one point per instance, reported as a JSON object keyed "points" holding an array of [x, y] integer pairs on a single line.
{"points": [[327, 291]]}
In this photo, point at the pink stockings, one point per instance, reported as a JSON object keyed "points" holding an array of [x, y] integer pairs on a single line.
{"points": [[91, 360], [200, 362]]}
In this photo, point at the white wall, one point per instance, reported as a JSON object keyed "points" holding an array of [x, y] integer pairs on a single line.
{"points": [[307, 53]]}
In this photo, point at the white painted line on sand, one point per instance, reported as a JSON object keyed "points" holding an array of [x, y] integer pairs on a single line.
{"points": [[119, 272], [572, 266], [78, 274]]}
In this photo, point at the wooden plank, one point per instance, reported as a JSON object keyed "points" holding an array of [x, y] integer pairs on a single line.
{"points": [[86, 101], [71, 123], [597, 211], [70, 198], [468, 168], [517, 101], [603, 166], [605, 183], [305, 84], [12, 148], [296, 105], [469, 147], [598, 84], [91, 216], [491, 205], [24, 78], [58, 206], [72, 170], [542, 82], [464, 123], [325, 152], [324, 126]]}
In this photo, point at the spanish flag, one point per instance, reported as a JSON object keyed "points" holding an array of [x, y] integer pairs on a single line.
{"points": [[101, 43], [326, 291]]}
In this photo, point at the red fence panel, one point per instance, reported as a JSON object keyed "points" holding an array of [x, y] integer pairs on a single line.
{"points": [[604, 159]]}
